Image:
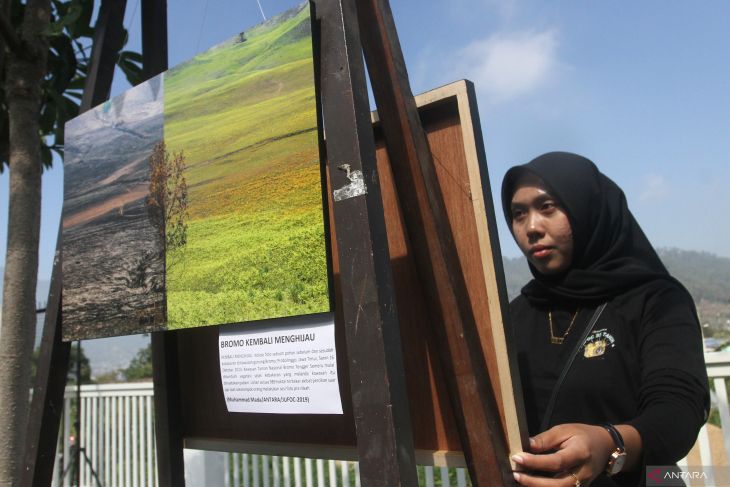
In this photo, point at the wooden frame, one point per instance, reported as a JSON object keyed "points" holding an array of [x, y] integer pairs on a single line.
{"points": [[488, 280]]}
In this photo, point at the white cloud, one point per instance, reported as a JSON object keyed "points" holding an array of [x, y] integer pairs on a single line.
{"points": [[655, 189], [506, 65]]}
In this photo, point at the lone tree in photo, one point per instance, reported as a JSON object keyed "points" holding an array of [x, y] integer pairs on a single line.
{"points": [[167, 204]]}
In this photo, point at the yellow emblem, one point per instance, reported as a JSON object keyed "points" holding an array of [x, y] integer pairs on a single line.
{"points": [[594, 349]]}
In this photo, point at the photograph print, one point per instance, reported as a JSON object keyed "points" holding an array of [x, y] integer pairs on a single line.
{"points": [[195, 198], [113, 258]]}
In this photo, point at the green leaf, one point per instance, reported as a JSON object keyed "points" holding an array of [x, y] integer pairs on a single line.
{"points": [[82, 26], [74, 94], [46, 156], [72, 14], [48, 117], [62, 63], [132, 56], [131, 65]]}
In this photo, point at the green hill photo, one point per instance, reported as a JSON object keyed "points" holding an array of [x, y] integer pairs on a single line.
{"points": [[242, 118]]}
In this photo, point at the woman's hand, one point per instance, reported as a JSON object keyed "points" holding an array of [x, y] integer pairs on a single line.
{"points": [[568, 453]]}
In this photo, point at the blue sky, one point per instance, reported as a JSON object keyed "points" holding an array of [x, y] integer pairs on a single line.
{"points": [[641, 88]]}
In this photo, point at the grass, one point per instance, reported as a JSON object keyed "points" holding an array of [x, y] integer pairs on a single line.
{"points": [[244, 115]]}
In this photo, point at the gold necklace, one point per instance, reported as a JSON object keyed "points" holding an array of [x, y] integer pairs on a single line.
{"points": [[559, 340]]}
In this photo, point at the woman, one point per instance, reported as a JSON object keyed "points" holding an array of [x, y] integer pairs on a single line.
{"points": [[602, 312]]}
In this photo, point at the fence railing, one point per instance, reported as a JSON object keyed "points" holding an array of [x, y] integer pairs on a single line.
{"points": [[712, 450], [246, 470], [117, 445]]}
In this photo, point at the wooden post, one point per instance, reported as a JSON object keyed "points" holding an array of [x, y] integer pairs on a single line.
{"points": [[380, 402], [154, 37], [480, 428], [108, 41], [50, 381], [168, 423]]}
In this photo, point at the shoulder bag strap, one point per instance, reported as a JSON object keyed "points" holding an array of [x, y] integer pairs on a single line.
{"points": [[568, 364]]}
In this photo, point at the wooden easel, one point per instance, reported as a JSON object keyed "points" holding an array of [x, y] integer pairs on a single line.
{"points": [[378, 390]]}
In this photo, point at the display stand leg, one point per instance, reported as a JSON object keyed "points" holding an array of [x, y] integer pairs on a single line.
{"points": [[377, 377], [154, 37], [108, 41], [477, 415], [46, 406], [168, 425], [50, 381]]}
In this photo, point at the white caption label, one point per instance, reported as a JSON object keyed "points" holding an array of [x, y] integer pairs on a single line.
{"points": [[288, 368]]}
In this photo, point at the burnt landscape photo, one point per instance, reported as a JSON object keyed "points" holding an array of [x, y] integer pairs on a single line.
{"points": [[113, 253]]}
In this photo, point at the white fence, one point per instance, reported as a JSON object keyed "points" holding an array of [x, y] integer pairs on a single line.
{"points": [[712, 449], [117, 437], [246, 470], [117, 443]]}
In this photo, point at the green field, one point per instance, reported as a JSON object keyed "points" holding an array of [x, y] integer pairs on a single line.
{"points": [[243, 113]]}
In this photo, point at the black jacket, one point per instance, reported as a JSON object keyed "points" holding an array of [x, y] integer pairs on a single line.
{"points": [[642, 364]]}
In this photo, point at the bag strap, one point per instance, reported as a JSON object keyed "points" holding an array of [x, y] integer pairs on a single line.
{"points": [[553, 398]]}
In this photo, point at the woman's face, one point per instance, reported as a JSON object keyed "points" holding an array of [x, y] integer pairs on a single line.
{"points": [[541, 227]]}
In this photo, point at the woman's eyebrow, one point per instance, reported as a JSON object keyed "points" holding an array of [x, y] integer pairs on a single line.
{"points": [[535, 201], [542, 198]]}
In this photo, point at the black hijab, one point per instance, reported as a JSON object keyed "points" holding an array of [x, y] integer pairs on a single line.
{"points": [[611, 254]]}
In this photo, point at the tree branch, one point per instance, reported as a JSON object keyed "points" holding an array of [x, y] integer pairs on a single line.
{"points": [[11, 37]]}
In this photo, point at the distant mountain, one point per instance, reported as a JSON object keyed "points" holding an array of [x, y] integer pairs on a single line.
{"points": [[516, 274], [706, 276]]}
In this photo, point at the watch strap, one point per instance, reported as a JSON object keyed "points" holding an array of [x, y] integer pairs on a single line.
{"points": [[618, 455], [618, 440]]}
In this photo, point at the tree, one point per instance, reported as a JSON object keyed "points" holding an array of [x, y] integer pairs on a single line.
{"points": [[167, 204], [111, 377], [24, 62], [42, 69], [140, 367]]}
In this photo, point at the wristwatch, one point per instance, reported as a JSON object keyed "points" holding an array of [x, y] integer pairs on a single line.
{"points": [[618, 456]]}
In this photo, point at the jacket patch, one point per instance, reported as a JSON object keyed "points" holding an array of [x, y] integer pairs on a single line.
{"points": [[598, 343]]}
